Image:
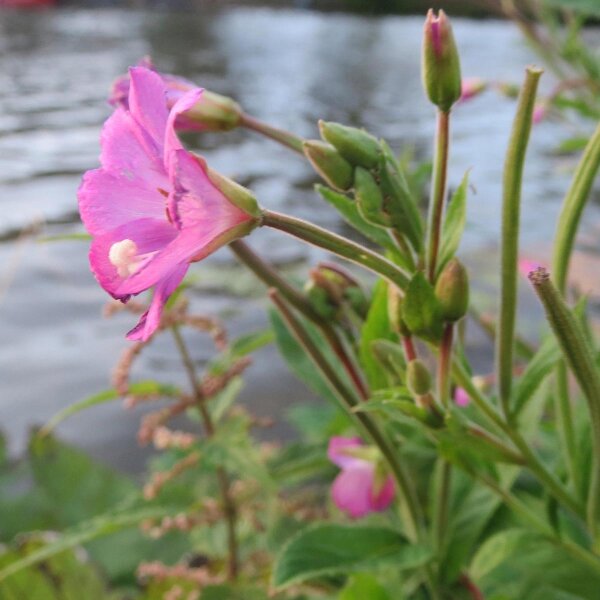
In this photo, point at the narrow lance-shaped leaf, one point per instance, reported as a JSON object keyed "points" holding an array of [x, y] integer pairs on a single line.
{"points": [[454, 223]]}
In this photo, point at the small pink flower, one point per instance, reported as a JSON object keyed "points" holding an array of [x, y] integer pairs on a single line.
{"points": [[471, 87], [151, 208], [540, 112], [357, 490], [461, 398], [210, 112], [525, 266]]}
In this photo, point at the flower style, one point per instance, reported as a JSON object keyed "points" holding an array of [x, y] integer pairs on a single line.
{"points": [[361, 487], [153, 207], [211, 112]]}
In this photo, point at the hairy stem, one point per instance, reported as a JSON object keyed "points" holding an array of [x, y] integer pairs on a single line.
{"points": [[229, 508], [438, 192], [270, 277], [313, 234]]}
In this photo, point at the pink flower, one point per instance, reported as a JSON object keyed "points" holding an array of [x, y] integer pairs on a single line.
{"points": [[461, 398], [525, 266], [151, 208], [210, 112], [360, 488], [471, 87], [540, 112]]}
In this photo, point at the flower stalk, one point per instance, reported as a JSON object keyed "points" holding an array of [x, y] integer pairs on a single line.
{"points": [[438, 192], [293, 142], [336, 244]]}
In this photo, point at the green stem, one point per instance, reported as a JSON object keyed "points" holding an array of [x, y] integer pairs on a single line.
{"points": [[444, 364], [349, 400], [438, 191], [279, 135], [229, 508], [336, 244], [272, 278], [511, 204], [580, 358]]}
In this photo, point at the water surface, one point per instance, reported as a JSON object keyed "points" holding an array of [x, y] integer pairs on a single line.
{"points": [[289, 67]]}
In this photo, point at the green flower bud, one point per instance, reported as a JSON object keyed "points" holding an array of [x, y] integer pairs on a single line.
{"points": [[452, 291], [214, 112], [369, 198], [320, 300], [356, 145], [394, 306], [329, 164], [441, 64], [418, 378]]}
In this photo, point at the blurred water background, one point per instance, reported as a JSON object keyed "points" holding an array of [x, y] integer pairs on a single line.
{"points": [[287, 66]]}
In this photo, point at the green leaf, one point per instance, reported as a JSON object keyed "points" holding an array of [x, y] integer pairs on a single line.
{"points": [[251, 342], [77, 486], [454, 223], [538, 368], [572, 145], [60, 577], [141, 387], [375, 327], [362, 587], [63, 237], [421, 310], [338, 549], [516, 561]]}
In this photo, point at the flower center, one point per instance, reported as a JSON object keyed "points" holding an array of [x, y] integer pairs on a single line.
{"points": [[123, 255]]}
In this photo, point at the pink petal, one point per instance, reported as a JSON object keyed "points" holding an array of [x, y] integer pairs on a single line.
{"points": [[385, 496], [129, 152], [149, 235], [150, 320], [181, 249], [351, 490], [461, 398], [148, 102], [172, 142], [336, 451], [108, 200], [197, 201]]}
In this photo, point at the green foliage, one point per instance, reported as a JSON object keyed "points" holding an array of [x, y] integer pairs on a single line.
{"points": [[363, 586], [329, 549], [376, 327], [62, 576], [515, 561]]}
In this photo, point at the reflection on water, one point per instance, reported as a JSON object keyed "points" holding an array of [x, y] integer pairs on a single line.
{"points": [[289, 67]]}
